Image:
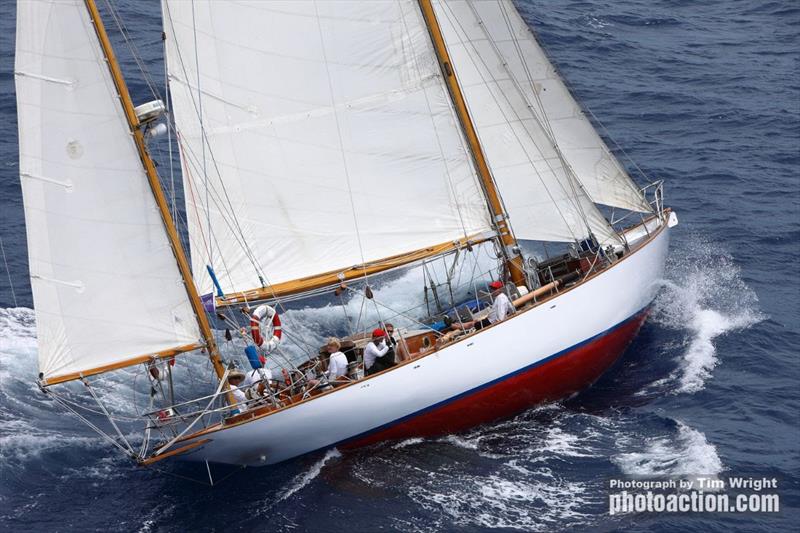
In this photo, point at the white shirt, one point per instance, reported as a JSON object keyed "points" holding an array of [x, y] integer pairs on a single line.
{"points": [[337, 366], [241, 399], [501, 308], [255, 376], [371, 352]]}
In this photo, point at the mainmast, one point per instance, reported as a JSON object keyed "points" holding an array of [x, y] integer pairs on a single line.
{"points": [[499, 216], [155, 186]]}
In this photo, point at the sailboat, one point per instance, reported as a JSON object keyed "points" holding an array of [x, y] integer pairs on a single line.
{"points": [[324, 145]]}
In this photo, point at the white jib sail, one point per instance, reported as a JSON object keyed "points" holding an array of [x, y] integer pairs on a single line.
{"points": [[543, 199], [524, 61], [105, 283], [330, 138]]}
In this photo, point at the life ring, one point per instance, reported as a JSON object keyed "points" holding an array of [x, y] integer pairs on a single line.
{"points": [[265, 316]]}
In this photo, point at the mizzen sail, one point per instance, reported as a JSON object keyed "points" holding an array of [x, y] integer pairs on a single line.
{"points": [[106, 287], [317, 136]]}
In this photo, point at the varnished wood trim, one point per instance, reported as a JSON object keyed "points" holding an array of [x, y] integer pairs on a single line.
{"points": [[339, 276], [178, 451], [164, 354]]}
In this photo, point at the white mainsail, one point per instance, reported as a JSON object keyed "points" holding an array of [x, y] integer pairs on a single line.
{"points": [[330, 139], [542, 198], [495, 30], [105, 282]]}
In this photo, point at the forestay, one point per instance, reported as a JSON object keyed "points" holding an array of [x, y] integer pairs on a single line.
{"points": [[105, 283], [330, 140], [521, 61], [543, 198]]}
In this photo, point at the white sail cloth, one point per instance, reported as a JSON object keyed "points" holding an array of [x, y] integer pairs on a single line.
{"points": [[543, 199], [106, 286], [330, 138], [521, 59]]}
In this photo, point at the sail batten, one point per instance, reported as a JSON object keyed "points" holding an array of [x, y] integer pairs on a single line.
{"points": [[105, 284], [328, 137]]}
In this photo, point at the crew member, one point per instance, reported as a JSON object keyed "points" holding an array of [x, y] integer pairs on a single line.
{"points": [[235, 379], [337, 363], [256, 381], [501, 308], [375, 353]]}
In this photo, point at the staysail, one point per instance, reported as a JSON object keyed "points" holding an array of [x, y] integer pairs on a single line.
{"points": [[317, 136], [494, 30], [106, 287], [545, 202]]}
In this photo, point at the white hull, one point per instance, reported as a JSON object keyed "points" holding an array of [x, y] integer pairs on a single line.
{"points": [[528, 340]]}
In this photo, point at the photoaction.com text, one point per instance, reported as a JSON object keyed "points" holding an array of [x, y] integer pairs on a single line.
{"points": [[693, 495]]}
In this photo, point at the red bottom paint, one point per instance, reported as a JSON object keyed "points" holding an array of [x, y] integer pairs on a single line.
{"points": [[556, 378]]}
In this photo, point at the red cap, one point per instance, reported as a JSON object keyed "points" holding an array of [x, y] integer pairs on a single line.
{"points": [[496, 285], [378, 333]]}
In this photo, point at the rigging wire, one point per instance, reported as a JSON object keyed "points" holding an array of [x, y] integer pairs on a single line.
{"points": [[204, 138], [129, 42], [174, 201], [456, 23], [507, 18], [8, 272], [572, 178], [436, 133], [341, 141], [588, 110], [202, 128]]}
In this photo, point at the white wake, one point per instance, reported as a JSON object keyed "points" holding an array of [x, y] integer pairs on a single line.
{"points": [[705, 297]]}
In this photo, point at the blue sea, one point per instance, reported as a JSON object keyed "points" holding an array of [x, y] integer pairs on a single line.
{"points": [[705, 95]]}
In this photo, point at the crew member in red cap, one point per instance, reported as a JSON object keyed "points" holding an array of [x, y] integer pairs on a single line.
{"points": [[375, 354], [501, 308]]}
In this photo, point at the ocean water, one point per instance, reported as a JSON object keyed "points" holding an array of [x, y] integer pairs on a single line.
{"points": [[705, 95]]}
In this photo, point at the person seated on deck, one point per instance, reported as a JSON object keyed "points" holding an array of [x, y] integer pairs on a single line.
{"points": [[337, 363], [501, 308], [336, 374], [375, 354], [235, 379]]}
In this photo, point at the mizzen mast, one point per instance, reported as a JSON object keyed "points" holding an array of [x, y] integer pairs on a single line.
{"points": [[155, 186], [499, 216]]}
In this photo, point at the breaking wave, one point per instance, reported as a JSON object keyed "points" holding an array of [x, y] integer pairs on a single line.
{"points": [[686, 454], [705, 298]]}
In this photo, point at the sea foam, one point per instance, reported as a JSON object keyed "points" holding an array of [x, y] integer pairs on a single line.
{"points": [[705, 297]]}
